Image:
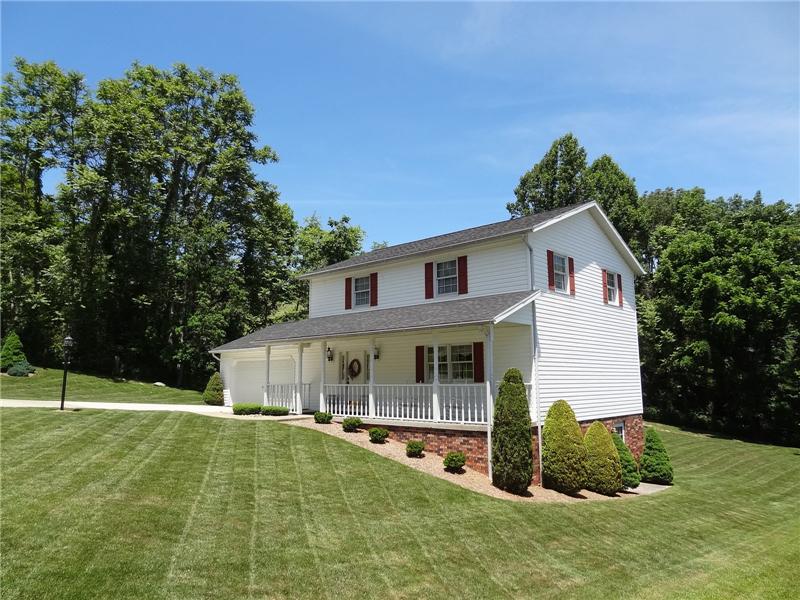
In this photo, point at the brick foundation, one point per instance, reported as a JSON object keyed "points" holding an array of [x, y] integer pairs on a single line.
{"points": [[473, 443]]}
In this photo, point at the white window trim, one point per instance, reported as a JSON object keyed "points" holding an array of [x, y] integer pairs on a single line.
{"points": [[615, 278], [368, 290], [621, 425], [566, 273], [436, 278], [445, 350]]}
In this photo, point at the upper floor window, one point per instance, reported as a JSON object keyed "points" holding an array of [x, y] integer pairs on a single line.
{"points": [[561, 272], [611, 287], [447, 277], [361, 290]]}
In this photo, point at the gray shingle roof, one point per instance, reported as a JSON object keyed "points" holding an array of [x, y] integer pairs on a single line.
{"points": [[465, 236], [482, 309]]}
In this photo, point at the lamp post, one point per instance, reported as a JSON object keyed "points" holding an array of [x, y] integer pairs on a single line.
{"points": [[68, 343]]}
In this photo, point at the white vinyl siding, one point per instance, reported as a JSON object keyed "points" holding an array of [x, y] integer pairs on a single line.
{"points": [[589, 355], [493, 268]]}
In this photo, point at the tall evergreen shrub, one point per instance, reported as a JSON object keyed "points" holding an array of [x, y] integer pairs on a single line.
{"points": [[630, 470], [12, 352], [213, 393], [512, 457], [655, 466], [603, 468], [563, 450]]}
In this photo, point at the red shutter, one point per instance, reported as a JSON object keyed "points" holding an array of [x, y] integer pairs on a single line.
{"points": [[462, 275], [477, 362], [420, 364], [373, 289], [348, 293], [605, 288], [551, 273], [571, 276], [428, 280], [619, 288]]}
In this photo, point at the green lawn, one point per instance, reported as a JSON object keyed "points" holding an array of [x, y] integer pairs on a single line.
{"points": [[170, 505], [46, 385]]}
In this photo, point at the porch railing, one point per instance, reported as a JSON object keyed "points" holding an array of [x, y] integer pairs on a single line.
{"points": [[283, 394], [412, 402], [463, 402], [347, 400]]}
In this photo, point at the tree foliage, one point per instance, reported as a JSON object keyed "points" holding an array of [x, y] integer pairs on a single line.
{"points": [[655, 465], [161, 242], [512, 456], [563, 451], [12, 352], [214, 393]]}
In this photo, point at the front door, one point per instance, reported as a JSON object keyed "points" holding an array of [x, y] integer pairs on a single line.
{"points": [[353, 367]]}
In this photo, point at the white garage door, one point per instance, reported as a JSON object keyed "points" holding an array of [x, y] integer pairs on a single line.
{"points": [[248, 377]]}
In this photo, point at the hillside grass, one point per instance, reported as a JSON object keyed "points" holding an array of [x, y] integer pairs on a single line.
{"points": [[171, 505], [45, 384]]}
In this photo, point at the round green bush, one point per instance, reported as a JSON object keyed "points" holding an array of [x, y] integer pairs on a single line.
{"points": [[323, 417], [21, 369], [630, 471], [655, 466], [378, 435], [351, 424], [603, 469], [415, 448], [512, 455], [274, 411], [213, 394], [11, 353], [454, 461], [563, 450]]}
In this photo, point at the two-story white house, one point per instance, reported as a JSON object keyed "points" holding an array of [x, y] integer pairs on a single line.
{"points": [[551, 294]]}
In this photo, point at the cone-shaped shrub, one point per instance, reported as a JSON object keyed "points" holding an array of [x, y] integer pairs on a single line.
{"points": [[512, 458], [11, 353], [603, 469], [630, 472], [213, 392], [563, 450], [655, 466]]}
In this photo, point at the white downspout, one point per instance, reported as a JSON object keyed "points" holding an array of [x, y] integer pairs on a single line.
{"points": [[535, 359]]}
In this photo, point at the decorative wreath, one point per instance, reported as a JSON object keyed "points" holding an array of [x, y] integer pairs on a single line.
{"points": [[354, 368]]}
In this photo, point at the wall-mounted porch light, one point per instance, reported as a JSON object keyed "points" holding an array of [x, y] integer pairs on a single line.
{"points": [[376, 353], [329, 354]]}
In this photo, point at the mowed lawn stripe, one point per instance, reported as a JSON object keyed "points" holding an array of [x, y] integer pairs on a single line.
{"points": [[291, 513]]}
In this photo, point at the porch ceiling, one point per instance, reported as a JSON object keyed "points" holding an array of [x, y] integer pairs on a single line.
{"points": [[466, 311]]}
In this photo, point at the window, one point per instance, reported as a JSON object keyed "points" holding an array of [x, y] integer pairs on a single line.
{"points": [[447, 277], [455, 364], [619, 429], [560, 272], [611, 287], [361, 289]]}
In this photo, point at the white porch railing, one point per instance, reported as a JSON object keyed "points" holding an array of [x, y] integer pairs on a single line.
{"points": [[284, 394], [463, 402], [346, 400], [413, 402]]}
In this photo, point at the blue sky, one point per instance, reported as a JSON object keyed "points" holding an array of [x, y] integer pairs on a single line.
{"points": [[416, 119]]}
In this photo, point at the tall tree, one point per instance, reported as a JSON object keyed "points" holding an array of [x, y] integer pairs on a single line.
{"points": [[616, 193]]}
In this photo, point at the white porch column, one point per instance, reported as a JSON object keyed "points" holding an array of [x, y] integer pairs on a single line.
{"points": [[298, 387], [489, 393], [437, 409], [535, 397], [323, 354], [267, 351], [372, 378]]}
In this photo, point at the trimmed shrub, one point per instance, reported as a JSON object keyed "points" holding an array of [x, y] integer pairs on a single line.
{"points": [[274, 411], [11, 353], [246, 408], [415, 448], [512, 455], [630, 472], [323, 417], [21, 369], [213, 393], [603, 469], [563, 450], [655, 466], [378, 435], [454, 461], [351, 424]]}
